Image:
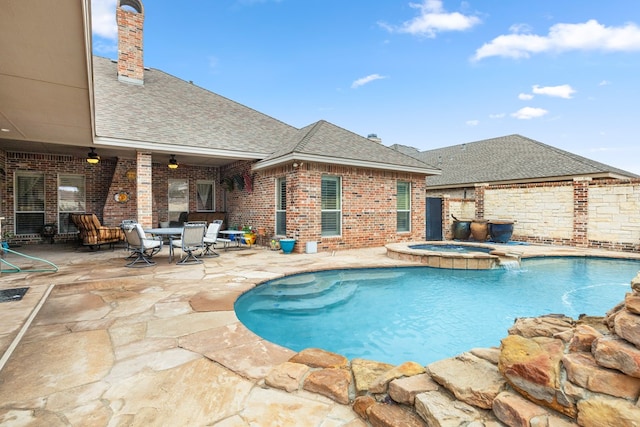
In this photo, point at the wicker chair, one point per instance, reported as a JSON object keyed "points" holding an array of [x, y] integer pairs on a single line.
{"points": [[94, 234]]}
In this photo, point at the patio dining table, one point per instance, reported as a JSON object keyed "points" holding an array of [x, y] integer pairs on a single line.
{"points": [[171, 232]]}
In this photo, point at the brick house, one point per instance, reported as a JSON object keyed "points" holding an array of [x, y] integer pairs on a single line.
{"points": [[60, 105]]}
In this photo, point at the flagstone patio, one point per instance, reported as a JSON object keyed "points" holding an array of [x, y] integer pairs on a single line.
{"points": [[158, 346]]}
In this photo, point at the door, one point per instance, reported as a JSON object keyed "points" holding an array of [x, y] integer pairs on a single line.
{"points": [[434, 218]]}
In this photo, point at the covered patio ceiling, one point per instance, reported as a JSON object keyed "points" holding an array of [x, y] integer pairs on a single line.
{"points": [[46, 84]]}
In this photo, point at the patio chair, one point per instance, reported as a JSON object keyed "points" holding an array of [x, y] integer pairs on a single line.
{"points": [[211, 238], [192, 240], [142, 247]]}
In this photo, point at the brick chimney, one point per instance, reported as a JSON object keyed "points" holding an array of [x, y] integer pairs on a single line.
{"points": [[130, 19]]}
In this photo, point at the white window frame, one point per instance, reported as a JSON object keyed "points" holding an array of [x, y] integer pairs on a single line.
{"points": [[281, 207], [330, 210], [403, 207], [201, 185], [23, 208], [67, 206]]}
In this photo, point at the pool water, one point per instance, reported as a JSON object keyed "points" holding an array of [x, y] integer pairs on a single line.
{"points": [[424, 314]]}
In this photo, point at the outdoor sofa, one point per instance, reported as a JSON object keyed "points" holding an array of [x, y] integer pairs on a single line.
{"points": [[94, 234]]}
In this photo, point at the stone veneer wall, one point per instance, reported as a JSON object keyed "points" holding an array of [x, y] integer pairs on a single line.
{"points": [[583, 212], [549, 371]]}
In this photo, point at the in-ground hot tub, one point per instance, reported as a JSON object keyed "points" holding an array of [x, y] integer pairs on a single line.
{"points": [[455, 255]]}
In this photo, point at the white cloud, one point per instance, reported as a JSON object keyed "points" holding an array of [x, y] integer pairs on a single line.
{"points": [[604, 83], [562, 91], [527, 113], [473, 122], [497, 116], [364, 80], [525, 96], [433, 19], [103, 19], [590, 35]]}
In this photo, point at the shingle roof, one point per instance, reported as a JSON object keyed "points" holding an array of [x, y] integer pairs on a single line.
{"points": [[324, 140], [168, 110], [507, 158]]}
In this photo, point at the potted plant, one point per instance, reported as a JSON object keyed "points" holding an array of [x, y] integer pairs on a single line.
{"points": [[6, 236], [249, 235]]}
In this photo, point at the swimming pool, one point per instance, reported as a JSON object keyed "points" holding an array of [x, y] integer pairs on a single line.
{"points": [[424, 314]]}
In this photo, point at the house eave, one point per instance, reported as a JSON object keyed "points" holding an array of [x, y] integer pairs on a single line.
{"points": [[265, 164], [177, 148], [602, 175]]}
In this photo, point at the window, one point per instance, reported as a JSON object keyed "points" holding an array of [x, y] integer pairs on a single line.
{"points": [[205, 192], [71, 199], [281, 207], [331, 206], [178, 198], [29, 203], [403, 206]]}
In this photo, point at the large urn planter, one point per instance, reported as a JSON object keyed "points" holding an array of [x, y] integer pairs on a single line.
{"points": [[501, 231], [461, 229], [479, 229], [287, 245]]}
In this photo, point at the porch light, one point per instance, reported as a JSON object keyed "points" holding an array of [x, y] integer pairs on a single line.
{"points": [[92, 157], [173, 163]]}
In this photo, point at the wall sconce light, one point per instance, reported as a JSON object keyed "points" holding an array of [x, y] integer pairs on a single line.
{"points": [[92, 157], [130, 175], [173, 163]]}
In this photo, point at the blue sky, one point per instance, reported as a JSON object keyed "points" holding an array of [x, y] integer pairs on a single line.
{"points": [[426, 74]]}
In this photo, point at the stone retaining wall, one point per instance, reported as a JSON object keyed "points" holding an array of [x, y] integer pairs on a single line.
{"points": [[549, 371]]}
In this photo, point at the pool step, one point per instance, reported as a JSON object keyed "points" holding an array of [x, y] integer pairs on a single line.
{"points": [[339, 293]]}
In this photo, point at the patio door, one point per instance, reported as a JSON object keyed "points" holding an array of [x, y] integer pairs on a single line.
{"points": [[434, 218]]}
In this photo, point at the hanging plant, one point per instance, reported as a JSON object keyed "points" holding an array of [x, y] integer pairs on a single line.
{"points": [[227, 184], [238, 181], [248, 182]]}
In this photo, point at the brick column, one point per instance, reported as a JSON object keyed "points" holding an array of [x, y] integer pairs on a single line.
{"points": [[144, 193], [479, 199], [581, 211]]}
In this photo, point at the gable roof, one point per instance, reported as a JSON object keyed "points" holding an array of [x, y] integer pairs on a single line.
{"points": [[327, 143], [511, 158], [169, 113]]}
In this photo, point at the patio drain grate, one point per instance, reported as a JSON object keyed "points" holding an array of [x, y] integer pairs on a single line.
{"points": [[15, 294]]}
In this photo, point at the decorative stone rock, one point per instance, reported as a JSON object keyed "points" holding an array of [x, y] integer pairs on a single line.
{"points": [[544, 326], [632, 302], [439, 410], [532, 367], [491, 354], [407, 369], [361, 405], [404, 390], [583, 337], [471, 379], [286, 376], [635, 283], [365, 372], [318, 358], [583, 370], [616, 353], [332, 383], [627, 326], [610, 317], [607, 411], [514, 410], [383, 415]]}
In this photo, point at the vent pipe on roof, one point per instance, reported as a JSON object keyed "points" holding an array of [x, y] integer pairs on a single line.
{"points": [[130, 19], [373, 137]]}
